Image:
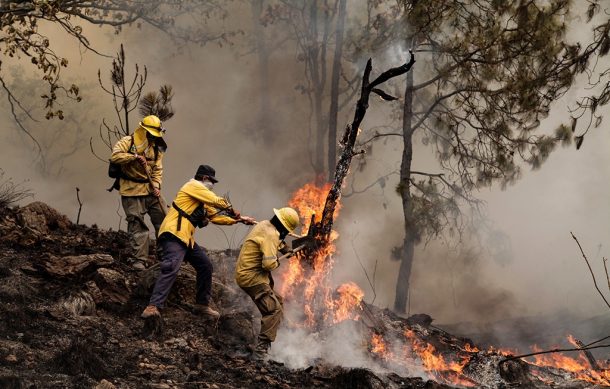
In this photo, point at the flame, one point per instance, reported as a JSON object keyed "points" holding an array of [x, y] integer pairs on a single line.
{"points": [[310, 283], [379, 347], [470, 349], [435, 364], [348, 302], [579, 367], [321, 305]]}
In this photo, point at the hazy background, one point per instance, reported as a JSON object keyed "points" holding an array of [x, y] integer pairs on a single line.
{"points": [[539, 271]]}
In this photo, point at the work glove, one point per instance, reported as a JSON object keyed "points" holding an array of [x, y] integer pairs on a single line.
{"points": [[141, 160], [284, 249], [247, 220]]}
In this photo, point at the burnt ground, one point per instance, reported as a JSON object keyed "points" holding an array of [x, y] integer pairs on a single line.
{"points": [[69, 318]]}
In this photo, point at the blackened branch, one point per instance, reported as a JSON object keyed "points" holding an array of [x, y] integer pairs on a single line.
{"points": [[349, 139]]}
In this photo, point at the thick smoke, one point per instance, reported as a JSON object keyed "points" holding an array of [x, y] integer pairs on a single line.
{"points": [[217, 99]]}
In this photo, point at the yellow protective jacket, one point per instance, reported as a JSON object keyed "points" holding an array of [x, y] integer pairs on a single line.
{"points": [[258, 255], [189, 197], [123, 155]]}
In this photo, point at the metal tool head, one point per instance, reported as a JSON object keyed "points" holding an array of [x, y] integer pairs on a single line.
{"points": [[307, 243]]}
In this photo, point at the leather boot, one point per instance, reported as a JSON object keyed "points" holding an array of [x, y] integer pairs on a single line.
{"points": [[260, 351], [150, 311]]}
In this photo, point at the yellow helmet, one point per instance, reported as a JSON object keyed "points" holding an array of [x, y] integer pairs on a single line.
{"points": [[152, 124], [288, 217]]}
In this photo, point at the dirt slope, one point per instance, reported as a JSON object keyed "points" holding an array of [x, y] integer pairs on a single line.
{"points": [[69, 318]]}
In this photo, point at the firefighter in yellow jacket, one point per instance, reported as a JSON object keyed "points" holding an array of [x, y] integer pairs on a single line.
{"points": [[194, 206], [257, 258], [140, 155]]}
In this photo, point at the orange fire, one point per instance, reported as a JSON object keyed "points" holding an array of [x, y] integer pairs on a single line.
{"points": [[379, 347], [436, 365], [311, 282], [579, 367], [347, 305]]}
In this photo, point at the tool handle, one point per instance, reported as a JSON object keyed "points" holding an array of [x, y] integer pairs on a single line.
{"points": [[292, 253], [162, 202]]}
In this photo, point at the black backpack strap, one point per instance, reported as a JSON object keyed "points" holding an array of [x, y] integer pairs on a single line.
{"points": [[197, 218], [181, 214], [115, 185]]}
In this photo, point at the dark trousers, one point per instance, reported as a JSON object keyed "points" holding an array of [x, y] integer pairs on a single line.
{"points": [[173, 253]]}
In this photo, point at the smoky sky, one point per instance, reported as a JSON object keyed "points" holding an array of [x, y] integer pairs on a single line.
{"points": [[217, 97]]}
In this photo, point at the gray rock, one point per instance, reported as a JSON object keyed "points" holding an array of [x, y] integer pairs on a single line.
{"points": [[113, 286], [105, 385], [73, 266]]}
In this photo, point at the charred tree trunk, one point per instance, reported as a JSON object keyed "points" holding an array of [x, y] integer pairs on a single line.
{"points": [[408, 248], [264, 119], [334, 90], [349, 140]]}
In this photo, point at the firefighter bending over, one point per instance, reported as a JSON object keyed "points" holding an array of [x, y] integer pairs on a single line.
{"points": [[257, 258]]}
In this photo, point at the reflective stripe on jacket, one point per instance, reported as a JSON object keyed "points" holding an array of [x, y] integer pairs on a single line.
{"points": [[124, 156], [188, 199], [258, 255]]}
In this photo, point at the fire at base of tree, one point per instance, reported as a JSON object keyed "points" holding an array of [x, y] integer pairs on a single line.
{"points": [[68, 304], [258, 89]]}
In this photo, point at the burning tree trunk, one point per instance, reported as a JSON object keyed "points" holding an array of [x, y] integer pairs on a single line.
{"points": [[309, 285], [349, 139]]}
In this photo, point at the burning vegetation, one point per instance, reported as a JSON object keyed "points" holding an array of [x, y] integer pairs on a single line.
{"points": [[63, 283], [412, 347]]}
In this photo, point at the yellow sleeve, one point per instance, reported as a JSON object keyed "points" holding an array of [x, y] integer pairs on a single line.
{"points": [[269, 250], [207, 197], [120, 152], [219, 216], [156, 172]]}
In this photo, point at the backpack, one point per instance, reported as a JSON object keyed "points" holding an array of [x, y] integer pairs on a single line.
{"points": [[198, 218], [115, 171]]}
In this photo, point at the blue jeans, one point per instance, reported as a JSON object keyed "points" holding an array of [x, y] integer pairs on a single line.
{"points": [[173, 253]]}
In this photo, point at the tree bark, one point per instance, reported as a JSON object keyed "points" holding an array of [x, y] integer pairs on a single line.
{"points": [[324, 227], [316, 81], [408, 248], [334, 90]]}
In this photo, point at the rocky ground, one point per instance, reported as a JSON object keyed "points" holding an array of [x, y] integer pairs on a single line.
{"points": [[69, 318], [70, 301]]}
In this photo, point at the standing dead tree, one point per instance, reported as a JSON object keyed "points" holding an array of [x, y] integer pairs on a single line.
{"points": [[349, 139], [80, 205], [125, 94]]}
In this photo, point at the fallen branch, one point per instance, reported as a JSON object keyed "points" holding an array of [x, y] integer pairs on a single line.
{"points": [[588, 355], [555, 350], [590, 270]]}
